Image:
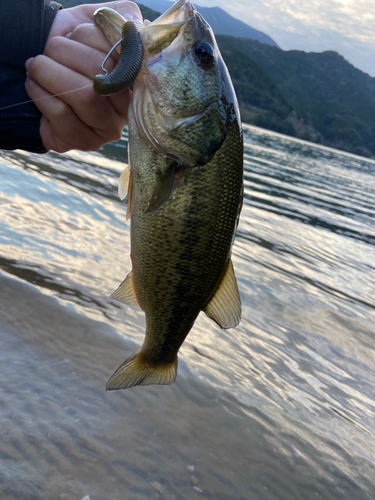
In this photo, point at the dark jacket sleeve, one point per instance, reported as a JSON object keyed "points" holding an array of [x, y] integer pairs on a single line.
{"points": [[24, 29]]}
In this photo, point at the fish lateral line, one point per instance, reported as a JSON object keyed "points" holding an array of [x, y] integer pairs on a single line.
{"points": [[44, 98]]}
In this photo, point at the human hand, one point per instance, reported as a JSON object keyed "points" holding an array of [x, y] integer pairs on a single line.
{"points": [[72, 57]]}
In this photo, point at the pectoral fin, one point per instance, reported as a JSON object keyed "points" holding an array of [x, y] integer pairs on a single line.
{"points": [[225, 306], [125, 292], [164, 187]]}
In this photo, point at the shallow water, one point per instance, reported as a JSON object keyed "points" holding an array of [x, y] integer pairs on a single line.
{"points": [[282, 407]]}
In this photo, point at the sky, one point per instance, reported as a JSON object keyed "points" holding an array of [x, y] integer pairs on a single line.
{"points": [[345, 26]]}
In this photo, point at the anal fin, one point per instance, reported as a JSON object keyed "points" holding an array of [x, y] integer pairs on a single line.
{"points": [[225, 305], [125, 292]]}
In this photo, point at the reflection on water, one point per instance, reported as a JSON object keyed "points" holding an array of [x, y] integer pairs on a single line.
{"points": [[290, 392]]}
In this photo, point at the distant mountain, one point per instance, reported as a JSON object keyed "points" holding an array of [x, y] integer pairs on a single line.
{"points": [[221, 22], [327, 94], [218, 19]]}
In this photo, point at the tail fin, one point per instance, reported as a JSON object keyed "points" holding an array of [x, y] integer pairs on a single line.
{"points": [[134, 371]]}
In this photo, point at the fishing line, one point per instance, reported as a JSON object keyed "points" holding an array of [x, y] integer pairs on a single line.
{"points": [[48, 97]]}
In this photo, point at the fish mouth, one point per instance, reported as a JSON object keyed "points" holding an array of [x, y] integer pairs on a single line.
{"points": [[179, 12], [159, 34]]}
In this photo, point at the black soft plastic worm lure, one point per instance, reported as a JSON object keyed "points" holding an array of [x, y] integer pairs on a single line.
{"points": [[128, 65]]}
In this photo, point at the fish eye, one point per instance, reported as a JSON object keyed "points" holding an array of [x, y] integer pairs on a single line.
{"points": [[205, 52]]}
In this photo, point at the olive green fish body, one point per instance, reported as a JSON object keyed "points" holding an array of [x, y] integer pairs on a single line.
{"points": [[185, 188], [180, 251]]}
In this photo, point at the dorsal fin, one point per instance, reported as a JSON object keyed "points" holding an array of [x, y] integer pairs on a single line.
{"points": [[225, 305], [125, 292], [123, 183], [125, 187]]}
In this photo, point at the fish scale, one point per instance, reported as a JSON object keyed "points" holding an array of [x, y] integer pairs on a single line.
{"points": [[185, 190], [185, 266]]}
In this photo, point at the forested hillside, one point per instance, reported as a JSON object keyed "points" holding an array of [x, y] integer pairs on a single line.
{"points": [[325, 91]]}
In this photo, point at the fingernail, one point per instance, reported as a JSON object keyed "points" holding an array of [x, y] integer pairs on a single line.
{"points": [[27, 79]]}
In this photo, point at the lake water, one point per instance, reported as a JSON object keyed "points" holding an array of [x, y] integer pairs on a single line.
{"points": [[282, 407]]}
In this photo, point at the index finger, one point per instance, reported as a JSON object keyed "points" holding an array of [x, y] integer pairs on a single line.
{"points": [[67, 20]]}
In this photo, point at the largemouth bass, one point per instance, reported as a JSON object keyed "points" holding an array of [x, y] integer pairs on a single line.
{"points": [[184, 183]]}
